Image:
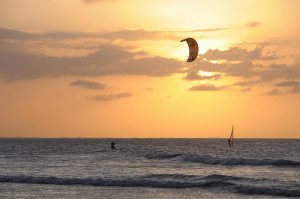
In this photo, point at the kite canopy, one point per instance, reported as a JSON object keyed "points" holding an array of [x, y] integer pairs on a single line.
{"points": [[193, 48]]}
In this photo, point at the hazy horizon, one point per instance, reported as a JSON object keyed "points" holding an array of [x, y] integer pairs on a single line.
{"points": [[281, 138]]}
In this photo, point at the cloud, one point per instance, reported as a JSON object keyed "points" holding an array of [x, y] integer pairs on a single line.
{"points": [[197, 30], [288, 83], [257, 64], [126, 34], [206, 87], [109, 59], [246, 89], [295, 90], [253, 24], [244, 68], [279, 71], [151, 66], [88, 84], [109, 97], [273, 92], [246, 83], [238, 54], [6, 33], [193, 75], [16, 34], [294, 85]]}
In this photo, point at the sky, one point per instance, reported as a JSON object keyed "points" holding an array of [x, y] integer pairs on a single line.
{"points": [[117, 68]]}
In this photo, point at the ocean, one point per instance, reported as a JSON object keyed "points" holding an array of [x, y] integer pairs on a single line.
{"points": [[149, 168]]}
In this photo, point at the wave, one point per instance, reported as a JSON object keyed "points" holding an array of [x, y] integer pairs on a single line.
{"points": [[99, 151], [157, 181], [161, 181], [250, 190], [161, 155], [213, 177], [206, 159]]}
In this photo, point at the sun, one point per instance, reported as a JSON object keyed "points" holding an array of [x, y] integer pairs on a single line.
{"points": [[178, 50], [182, 51]]}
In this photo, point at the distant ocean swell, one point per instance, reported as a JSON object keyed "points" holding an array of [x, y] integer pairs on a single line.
{"points": [[206, 159], [162, 181]]}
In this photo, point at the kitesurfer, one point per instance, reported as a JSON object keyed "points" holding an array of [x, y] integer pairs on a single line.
{"points": [[112, 146]]}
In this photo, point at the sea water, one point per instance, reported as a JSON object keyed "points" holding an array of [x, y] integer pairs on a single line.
{"points": [[149, 168]]}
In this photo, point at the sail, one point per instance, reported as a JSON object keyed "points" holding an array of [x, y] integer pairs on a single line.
{"points": [[231, 135]]}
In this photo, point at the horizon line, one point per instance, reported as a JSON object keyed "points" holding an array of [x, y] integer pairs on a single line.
{"points": [[147, 138]]}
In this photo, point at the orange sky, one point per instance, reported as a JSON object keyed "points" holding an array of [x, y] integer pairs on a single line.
{"points": [[112, 68]]}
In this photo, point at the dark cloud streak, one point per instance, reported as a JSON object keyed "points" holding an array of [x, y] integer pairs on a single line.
{"points": [[293, 85], [109, 97], [206, 87], [88, 84], [193, 75], [273, 92], [127, 34], [253, 24]]}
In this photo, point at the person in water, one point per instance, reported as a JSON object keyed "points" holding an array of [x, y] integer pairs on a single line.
{"points": [[230, 142], [112, 146]]}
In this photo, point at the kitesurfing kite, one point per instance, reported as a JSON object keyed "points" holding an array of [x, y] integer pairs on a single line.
{"points": [[193, 48]]}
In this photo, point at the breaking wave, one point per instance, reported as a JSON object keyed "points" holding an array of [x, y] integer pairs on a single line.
{"points": [[249, 190], [161, 181], [238, 161], [206, 159]]}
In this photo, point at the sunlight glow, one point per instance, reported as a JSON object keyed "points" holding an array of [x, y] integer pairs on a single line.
{"points": [[206, 74]]}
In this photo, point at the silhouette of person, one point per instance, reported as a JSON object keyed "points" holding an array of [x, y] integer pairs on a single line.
{"points": [[112, 146], [230, 143]]}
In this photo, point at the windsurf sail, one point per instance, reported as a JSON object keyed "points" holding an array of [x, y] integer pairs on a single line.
{"points": [[231, 136], [230, 140]]}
